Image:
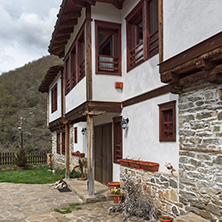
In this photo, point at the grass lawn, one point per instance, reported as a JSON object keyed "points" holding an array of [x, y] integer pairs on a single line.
{"points": [[37, 176]]}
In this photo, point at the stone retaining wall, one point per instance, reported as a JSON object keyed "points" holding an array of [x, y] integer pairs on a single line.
{"points": [[165, 186], [200, 163]]}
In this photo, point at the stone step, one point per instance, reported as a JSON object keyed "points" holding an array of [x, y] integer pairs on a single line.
{"points": [[190, 217]]}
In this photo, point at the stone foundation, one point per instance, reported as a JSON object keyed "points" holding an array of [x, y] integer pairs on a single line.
{"points": [[200, 163]]}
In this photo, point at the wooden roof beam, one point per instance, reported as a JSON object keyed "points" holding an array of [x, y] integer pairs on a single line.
{"points": [[65, 30], [68, 23], [79, 3], [91, 2], [117, 4], [72, 14]]}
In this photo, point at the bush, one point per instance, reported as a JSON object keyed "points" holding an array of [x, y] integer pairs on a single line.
{"points": [[20, 158]]}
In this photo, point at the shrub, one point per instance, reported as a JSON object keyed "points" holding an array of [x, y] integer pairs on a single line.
{"points": [[20, 158]]}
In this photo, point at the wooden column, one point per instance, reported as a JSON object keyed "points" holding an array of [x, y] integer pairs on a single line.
{"points": [[90, 151], [67, 150], [160, 18], [88, 53]]}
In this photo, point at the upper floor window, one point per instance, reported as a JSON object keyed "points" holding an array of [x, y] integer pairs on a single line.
{"points": [[142, 33], [75, 62], [54, 99], [108, 48], [167, 113]]}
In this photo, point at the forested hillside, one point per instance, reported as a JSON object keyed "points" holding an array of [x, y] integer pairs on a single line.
{"points": [[19, 97]]}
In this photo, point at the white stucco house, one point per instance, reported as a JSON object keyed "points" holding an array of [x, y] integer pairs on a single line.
{"points": [[156, 65]]}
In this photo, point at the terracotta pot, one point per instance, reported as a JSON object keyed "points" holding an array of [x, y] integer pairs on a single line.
{"points": [[117, 198], [114, 184], [80, 155], [149, 166], [135, 164], [124, 162], [163, 220]]}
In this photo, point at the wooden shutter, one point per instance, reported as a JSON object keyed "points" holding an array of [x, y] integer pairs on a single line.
{"points": [[117, 139]]}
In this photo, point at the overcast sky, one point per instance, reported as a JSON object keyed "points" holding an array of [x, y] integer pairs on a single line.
{"points": [[26, 27]]}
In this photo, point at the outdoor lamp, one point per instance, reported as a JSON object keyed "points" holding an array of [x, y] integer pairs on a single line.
{"points": [[124, 123], [83, 131]]}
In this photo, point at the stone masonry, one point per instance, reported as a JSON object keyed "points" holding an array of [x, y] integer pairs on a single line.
{"points": [[200, 163]]}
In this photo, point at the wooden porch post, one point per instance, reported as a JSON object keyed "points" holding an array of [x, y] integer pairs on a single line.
{"points": [[67, 150], [90, 151]]}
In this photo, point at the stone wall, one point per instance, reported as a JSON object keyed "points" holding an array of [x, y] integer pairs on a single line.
{"points": [[200, 163], [163, 185]]}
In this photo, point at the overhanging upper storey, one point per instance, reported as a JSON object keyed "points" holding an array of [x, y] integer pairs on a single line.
{"points": [[200, 62], [49, 77], [69, 13]]}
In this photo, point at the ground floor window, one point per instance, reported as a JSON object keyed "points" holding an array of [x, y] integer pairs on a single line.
{"points": [[167, 122]]}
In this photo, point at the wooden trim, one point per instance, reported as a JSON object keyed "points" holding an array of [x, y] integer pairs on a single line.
{"points": [[54, 98], [105, 106], [67, 150], [160, 17], [62, 93], [193, 52], [148, 95], [75, 134], [77, 112], [88, 53], [201, 150]]}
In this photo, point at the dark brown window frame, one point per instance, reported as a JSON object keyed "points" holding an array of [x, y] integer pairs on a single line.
{"points": [[163, 129], [75, 135], [58, 143], [78, 68], [117, 134], [115, 30], [134, 57], [54, 98]]}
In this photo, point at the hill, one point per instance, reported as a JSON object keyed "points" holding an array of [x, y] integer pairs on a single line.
{"points": [[19, 97]]}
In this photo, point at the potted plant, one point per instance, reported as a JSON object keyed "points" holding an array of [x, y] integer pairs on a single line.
{"points": [[124, 162], [117, 195], [78, 154], [113, 185], [149, 166], [166, 219]]}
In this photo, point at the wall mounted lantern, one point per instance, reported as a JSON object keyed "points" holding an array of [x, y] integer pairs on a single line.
{"points": [[83, 131], [124, 123]]}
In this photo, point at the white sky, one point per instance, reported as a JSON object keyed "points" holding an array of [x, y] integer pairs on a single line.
{"points": [[26, 27]]}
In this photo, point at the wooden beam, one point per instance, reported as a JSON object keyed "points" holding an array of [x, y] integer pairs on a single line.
{"points": [[160, 18], [117, 4], [65, 31], [90, 152], [91, 2], [204, 64], [88, 53], [67, 171], [68, 23], [112, 107], [72, 15], [79, 3]]}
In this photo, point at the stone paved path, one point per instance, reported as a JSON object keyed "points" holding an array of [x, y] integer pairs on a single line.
{"points": [[32, 203]]}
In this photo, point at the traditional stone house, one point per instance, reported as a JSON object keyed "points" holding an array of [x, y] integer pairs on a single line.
{"points": [[155, 65]]}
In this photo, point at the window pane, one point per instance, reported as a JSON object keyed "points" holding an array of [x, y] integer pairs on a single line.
{"points": [[105, 44], [153, 16], [138, 32]]}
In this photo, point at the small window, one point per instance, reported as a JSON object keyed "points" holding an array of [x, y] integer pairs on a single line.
{"points": [[63, 143], [58, 143], [117, 139], [142, 33], [75, 135], [54, 99], [108, 48], [167, 116]]}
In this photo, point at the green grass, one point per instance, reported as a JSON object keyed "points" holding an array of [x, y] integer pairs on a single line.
{"points": [[37, 176], [63, 210]]}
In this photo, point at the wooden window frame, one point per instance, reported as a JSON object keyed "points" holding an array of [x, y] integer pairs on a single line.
{"points": [[75, 135], [115, 30], [63, 143], [142, 9], [54, 98], [162, 123], [116, 123], [76, 60], [58, 143]]}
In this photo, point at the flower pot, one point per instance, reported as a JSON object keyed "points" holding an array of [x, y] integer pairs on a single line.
{"points": [[80, 155], [117, 198], [149, 166], [124, 162], [165, 219], [135, 164], [114, 184]]}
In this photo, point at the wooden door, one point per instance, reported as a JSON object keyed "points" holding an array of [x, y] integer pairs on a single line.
{"points": [[103, 153]]}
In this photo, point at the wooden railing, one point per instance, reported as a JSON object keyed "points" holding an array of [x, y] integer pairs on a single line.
{"points": [[153, 41], [32, 158], [108, 63], [82, 70], [136, 54]]}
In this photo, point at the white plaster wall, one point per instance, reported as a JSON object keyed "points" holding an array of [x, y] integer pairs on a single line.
{"points": [[189, 22], [56, 114], [76, 96], [104, 85], [141, 138], [81, 144]]}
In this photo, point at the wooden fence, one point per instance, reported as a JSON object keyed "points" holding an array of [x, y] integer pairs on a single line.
{"points": [[32, 158]]}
